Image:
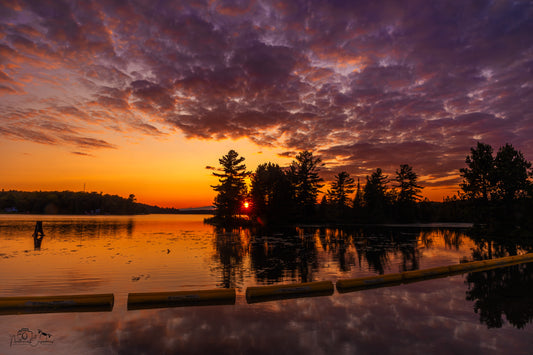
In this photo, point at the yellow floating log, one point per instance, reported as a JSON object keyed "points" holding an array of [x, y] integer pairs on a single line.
{"points": [[505, 262], [433, 272], [222, 296], [466, 267], [51, 304], [524, 257], [368, 282], [276, 292], [502, 261]]}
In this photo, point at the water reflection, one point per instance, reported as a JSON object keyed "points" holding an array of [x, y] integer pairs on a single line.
{"points": [[230, 248], [290, 254], [425, 318], [91, 228], [183, 254], [453, 238], [489, 249], [338, 242], [300, 254], [94, 228], [506, 291]]}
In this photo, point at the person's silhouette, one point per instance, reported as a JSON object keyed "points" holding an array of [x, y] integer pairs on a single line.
{"points": [[38, 235]]}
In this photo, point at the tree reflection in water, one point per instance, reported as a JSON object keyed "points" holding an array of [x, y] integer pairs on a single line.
{"points": [[505, 291], [295, 254], [374, 247], [230, 248], [291, 253], [338, 241], [453, 239], [377, 246]]}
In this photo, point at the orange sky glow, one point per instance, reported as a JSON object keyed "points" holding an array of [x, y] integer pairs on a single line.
{"points": [[124, 99]]}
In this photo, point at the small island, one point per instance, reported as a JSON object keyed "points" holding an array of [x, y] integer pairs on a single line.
{"points": [[497, 191]]}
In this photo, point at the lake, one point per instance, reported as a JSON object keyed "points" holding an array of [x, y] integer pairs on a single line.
{"points": [[488, 312]]}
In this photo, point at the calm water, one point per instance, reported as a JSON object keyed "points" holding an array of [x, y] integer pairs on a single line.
{"points": [[485, 312]]}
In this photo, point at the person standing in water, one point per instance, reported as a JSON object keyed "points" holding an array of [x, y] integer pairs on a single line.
{"points": [[38, 235]]}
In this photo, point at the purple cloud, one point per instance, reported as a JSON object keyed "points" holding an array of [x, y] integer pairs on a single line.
{"points": [[382, 83]]}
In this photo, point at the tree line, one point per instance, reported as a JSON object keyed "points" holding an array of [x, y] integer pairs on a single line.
{"points": [[70, 202], [499, 185], [282, 195]]}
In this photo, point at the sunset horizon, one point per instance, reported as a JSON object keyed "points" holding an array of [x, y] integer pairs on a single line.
{"points": [[266, 176], [433, 194], [136, 98]]}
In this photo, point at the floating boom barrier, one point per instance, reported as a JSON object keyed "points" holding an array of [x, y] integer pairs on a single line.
{"points": [[213, 297], [104, 302], [54, 304], [350, 285], [298, 290]]}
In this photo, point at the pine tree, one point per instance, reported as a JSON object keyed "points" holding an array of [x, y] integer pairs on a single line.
{"points": [[232, 187], [271, 193], [343, 186], [479, 175], [303, 174], [358, 199], [375, 195], [407, 184], [511, 172]]}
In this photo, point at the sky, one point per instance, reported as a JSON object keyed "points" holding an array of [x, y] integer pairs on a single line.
{"points": [[140, 97]]}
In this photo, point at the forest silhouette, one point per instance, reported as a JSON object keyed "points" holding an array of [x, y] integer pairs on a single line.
{"points": [[76, 203], [496, 190]]}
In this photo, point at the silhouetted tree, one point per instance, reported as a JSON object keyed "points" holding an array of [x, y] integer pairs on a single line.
{"points": [[496, 185], [358, 198], [409, 190], [479, 175], [69, 202], [272, 194], [358, 202], [343, 186], [324, 209], [375, 195], [232, 187], [304, 177], [408, 193], [511, 172]]}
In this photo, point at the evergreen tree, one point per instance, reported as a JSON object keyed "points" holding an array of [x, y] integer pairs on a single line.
{"points": [[323, 209], [304, 176], [358, 199], [511, 172], [409, 190], [271, 193], [479, 175], [232, 187], [375, 195], [376, 187], [343, 186]]}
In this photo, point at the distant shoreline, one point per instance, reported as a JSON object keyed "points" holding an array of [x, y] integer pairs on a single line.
{"points": [[79, 203], [196, 212]]}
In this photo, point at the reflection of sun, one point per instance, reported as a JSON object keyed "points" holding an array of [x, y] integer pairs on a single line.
{"points": [[246, 204]]}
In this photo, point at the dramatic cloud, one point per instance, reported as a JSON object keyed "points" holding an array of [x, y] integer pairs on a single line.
{"points": [[365, 84]]}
